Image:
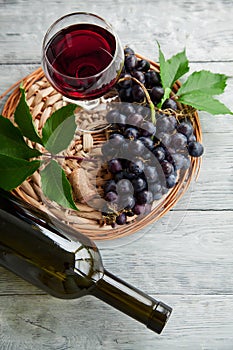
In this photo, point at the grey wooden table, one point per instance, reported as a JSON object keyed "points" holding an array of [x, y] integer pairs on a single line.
{"points": [[186, 258]]}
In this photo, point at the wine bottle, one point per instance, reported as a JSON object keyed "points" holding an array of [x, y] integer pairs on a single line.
{"points": [[66, 263]]}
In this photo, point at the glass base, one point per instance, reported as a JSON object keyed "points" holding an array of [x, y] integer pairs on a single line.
{"points": [[88, 105]]}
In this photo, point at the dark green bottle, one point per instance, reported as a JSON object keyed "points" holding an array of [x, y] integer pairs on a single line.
{"points": [[65, 263]]}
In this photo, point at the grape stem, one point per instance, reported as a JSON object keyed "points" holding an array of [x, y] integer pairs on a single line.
{"points": [[151, 104]]}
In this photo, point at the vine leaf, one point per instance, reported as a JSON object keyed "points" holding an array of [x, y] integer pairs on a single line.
{"points": [[204, 82], [172, 69], [56, 119], [199, 88], [13, 171], [61, 136], [12, 141], [55, 185], [204, 102], [23, 118]]}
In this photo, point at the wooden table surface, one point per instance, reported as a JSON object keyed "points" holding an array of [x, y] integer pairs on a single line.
{"points": [[185, 259]]}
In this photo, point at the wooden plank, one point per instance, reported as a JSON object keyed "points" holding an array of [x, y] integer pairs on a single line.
{"points": [[184, 253], [202, 27], [197, 322]]}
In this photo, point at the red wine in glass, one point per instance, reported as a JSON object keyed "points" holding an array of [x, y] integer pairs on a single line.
{"points": [[82, 61]]}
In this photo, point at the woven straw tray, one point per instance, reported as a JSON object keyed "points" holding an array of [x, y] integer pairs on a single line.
{"points": [[43, 100]]}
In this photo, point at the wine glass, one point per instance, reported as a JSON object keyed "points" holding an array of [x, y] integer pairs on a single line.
{"points": [[82, 58]]}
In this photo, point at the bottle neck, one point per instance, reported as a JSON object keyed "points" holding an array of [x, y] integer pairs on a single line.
{"points": [[124, 297]]}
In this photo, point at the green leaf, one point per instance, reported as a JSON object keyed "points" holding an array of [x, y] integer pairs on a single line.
{"points": [[24, 120], [14, 171], [204, 81], [199, 88], [56, 119], [55, 185], [172, 69], [61, 136], [204, 102], [12, 142]]}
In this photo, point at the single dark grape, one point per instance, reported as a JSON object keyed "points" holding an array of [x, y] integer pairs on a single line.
{"points": [[144, 197], [178, 141], [181, 161], [147, 128], [171, 181], [127, 109], [185, 129], [136, 148], [156, 94], [124, 186], [114, 166], [151, 173], [173, 121], [147, 142], [166, 123], [138, 93], [148, 157], [164, 138], [139, 76], [139, 184], [126, 83], [130, 62], [169, 152], [143, 110], [169, 103], [111, 197], [116, 139], [131, 133], [152, 78], [110, 185], [143, 65], [123, 149], [112, 115], [157, 191], [125, 95], [191, 138], [136, 167], [134, 119], [167, 167], [142, 209], [128, 51], [120, 120], [159, 153], [108, 151], [121, 219], [195, 149]]}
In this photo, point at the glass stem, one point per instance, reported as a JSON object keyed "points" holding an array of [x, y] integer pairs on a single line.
{"points": [[133, 302]]}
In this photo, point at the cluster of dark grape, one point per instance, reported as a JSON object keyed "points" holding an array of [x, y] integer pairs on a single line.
{"points": [[144, 159], [130, 91]]}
